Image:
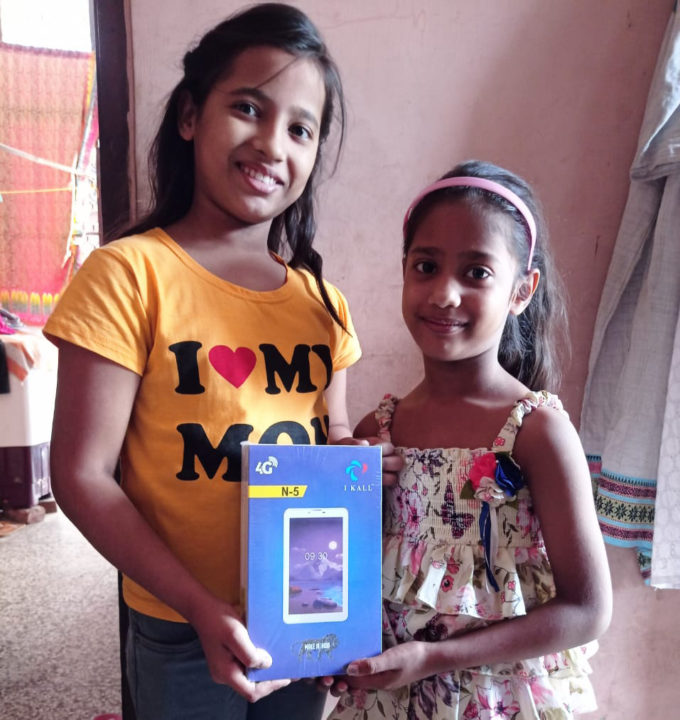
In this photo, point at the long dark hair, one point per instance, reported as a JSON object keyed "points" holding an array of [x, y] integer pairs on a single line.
{"points": [[533, 343], [171, 158]]}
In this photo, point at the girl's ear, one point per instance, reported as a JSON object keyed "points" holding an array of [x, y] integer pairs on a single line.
{"points": [[186, 116], [524, 292]]}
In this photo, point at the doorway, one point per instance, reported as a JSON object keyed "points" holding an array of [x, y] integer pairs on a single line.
{"points": [[86, 41]]}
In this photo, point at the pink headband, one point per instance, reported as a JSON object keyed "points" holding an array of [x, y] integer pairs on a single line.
{"points": [[484, 184]]}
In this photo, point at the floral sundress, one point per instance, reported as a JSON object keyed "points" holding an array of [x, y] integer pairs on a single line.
{"points": [[463, 549]]}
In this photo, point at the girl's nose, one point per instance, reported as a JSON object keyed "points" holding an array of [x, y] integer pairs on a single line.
{"points": [[445, 293], [270, 141]]}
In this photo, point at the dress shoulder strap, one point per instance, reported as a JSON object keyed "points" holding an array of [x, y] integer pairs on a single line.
{"points": [[383, 416], [505, 440]]}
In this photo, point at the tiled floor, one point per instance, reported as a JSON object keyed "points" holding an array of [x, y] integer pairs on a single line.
{"points": [[58, 626]]}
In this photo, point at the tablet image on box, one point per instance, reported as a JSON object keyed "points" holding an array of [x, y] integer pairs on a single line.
{"points": [[311, 556], [315, 565]]}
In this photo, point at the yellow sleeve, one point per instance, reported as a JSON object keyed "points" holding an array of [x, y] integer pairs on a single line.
{"points": [[347, 349], [103, 309]]}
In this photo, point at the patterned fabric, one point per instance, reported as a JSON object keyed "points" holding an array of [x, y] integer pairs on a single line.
{"points": [[436, 583], [625, 510]]}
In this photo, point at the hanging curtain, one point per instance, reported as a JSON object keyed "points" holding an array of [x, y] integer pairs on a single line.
{"points": [[630, 424], [47, 121]]}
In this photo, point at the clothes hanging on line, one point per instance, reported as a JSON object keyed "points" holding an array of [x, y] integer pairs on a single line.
{"points": [[630, 424]]}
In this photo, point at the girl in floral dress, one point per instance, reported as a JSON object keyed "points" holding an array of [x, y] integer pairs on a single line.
{"points": [[493, 562]]}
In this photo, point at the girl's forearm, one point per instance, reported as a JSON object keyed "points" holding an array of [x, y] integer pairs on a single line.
{"points": [[338, 432], [108, 519], [549, 628]]}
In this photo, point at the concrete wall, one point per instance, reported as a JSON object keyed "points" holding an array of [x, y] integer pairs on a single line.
{"points": [[552, 90]]}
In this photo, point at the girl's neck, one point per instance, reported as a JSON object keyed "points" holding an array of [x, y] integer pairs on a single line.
{"points": [[477, 380], [462, 404], [198, 229], [236, 253]]}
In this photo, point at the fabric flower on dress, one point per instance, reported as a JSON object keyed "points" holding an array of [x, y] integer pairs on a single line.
{"points": [[494, 479]]}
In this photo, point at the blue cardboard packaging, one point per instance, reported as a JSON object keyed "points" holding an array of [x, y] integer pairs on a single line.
{"points": [[311, 554]]}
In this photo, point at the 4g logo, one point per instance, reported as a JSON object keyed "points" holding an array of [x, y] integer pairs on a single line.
{"points": [[266, 467]]}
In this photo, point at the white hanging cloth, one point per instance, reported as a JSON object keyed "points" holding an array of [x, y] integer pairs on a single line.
{"points": [[630, 424]]}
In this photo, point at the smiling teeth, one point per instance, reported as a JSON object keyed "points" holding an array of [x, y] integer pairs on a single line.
{"points": [[260, 177]]}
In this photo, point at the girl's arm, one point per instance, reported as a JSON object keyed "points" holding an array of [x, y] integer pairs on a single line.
{"points": [[392, 463], [366, 432], [367, 427], [550, 454], [93, 406], [336, 401]]}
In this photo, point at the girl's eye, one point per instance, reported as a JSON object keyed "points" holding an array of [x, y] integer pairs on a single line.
{"points": [[301, 132], [246, 108], [427, 267], [478, 273]]}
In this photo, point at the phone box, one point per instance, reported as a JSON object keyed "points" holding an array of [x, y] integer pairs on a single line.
{"points": [[311, 555]]}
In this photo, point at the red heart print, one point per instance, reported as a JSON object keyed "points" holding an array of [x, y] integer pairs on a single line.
{"points": [[233, 365]]}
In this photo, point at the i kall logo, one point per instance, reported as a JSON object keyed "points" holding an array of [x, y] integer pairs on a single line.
{"points": [[354, 467], [354, 470]]}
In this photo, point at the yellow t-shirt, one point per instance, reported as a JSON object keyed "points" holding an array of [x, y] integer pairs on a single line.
{"points": [[219, 364]]}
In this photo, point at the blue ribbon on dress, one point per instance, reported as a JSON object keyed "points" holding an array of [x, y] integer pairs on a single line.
{"points": [[509, 479], [487, 533]]}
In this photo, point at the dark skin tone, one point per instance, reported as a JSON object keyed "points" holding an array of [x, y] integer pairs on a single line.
{"points": [[254, 152], [455, 308]]}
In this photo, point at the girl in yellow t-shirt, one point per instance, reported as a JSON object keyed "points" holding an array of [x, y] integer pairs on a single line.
{"points": [[192, 334]]}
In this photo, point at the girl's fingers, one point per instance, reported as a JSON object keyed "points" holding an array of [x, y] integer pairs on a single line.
{"points": [[391, 659], [339, 688], [262, 689], [252, 691], [243, 649], [363, 667], [351, 441], [336, 686], [391, 462]]}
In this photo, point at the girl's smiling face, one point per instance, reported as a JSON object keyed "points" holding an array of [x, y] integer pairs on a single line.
{"points": [[256, 136], [460, 282]]}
